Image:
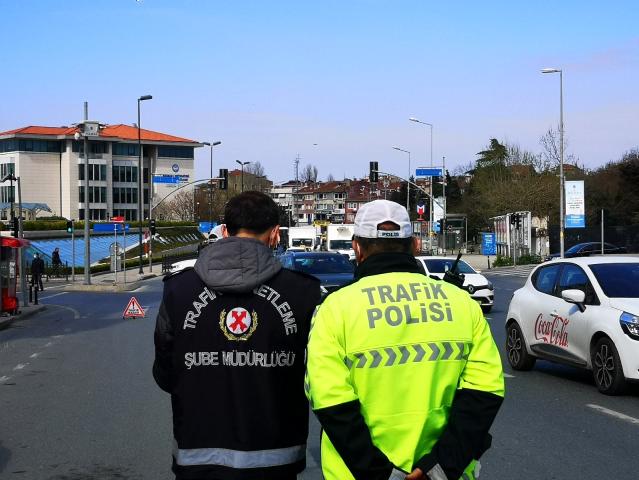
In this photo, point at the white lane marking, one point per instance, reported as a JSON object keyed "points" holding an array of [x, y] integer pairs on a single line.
{"points": [[508, 375], [76, 315], [612, 413], [48, 344], [57, 336], [20, 366], [34, 355], [4, 378], [54, 295]]}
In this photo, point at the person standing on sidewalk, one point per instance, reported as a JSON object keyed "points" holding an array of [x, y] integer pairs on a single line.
{"points": [[56, 262], [230, 344], [403, 372], [37, 270]]}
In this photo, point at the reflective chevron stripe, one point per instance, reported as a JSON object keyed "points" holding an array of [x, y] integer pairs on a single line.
{"points": [[416, 353]]}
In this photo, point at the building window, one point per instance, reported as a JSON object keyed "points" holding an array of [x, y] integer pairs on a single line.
{"points": [[96, 172], [126, 149], [125, 195], [339, 195], [175, 152], [128, 213], [7, 169], [125, 173], [8, 194], [94, 147]]}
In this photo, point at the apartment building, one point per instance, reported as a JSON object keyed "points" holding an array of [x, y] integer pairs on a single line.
{"points": [[50, 164]]}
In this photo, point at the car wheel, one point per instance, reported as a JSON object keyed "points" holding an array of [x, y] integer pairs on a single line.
{"points": [[606, 368], [486, 308], [518, 356]]}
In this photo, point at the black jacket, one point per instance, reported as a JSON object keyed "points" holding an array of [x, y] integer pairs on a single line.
{"points": [[37, 266], [230, 345]]}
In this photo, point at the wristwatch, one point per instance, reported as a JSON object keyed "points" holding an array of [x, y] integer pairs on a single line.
{"points": [[436, 473]]}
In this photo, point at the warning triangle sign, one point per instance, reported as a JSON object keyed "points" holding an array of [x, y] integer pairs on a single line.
{"points": [[133, 309]]}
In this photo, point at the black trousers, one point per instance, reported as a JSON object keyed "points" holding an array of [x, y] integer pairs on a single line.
{"points": [[36, 279], [290, 477]]}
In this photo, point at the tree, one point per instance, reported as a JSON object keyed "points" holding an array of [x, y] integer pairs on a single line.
{"points": [[309, 174], [255, 169], [330, 178], [550, 156], [179, 207]]}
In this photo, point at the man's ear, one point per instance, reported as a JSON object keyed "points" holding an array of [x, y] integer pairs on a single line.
{"points": [[225, 232], [274, 237], [359, 257]]}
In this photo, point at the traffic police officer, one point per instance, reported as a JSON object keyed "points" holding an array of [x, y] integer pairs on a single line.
{"points": [[230, 345], [403, 373]]}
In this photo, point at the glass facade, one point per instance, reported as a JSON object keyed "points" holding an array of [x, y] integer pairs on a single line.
{"points": [[8, 194], [25, 145], [96, 194], [125, 195], [175, 152], [94, 147], [128, 213], [125, 149], [7, 168]]}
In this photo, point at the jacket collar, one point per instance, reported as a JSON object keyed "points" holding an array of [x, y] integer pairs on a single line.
{"points": [[386, 263]]}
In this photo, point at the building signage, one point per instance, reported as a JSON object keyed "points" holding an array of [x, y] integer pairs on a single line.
{"points": [[488, 244], [175, 167], [575, 207], [428, 172], [168, 179]]}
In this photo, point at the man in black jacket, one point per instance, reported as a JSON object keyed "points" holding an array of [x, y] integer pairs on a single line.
{"points": [[230, 344], [37, 270]]}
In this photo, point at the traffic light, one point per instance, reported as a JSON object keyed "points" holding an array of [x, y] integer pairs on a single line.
{"points": [[373, 174], [69, 226], [152, 226], [16, 227], [224, 178]]}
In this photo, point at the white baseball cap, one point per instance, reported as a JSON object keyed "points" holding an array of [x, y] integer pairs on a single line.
{"points": [[374, 213]]}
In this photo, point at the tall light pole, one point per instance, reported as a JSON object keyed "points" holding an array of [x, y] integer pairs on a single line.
{"points": [[211, 145], [430, 188], [408, 178], [242, 165], [561, 156], [140, 191]]}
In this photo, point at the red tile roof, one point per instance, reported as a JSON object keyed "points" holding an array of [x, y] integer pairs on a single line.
{"points": [[120, 132]]}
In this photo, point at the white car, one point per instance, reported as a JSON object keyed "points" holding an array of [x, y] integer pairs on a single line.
{"points": [[582, 312], [475, 283], [182, 264]]}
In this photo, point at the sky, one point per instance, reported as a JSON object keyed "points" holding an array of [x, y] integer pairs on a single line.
{"points": [[331, 81]]}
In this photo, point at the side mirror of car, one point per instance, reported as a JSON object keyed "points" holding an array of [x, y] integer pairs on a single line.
{"points": [[575, 296]]}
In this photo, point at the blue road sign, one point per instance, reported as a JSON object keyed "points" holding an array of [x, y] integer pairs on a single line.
{"points": [[428, 172], [163, 178], [575, 221], [488, 244]]}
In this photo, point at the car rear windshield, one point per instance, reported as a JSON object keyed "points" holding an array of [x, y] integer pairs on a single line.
{"points": [[340, 244], [618, 280], [442, 266], [321, 264]]}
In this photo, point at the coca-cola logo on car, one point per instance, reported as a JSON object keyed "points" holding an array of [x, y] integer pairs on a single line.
{"points": [[552, 331]]}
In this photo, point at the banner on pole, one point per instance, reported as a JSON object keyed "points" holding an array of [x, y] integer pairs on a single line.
{"points": [[133, 309], [575, 206]]}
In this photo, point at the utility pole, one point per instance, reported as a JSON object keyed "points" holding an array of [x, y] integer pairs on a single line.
{"points": [[87, 209], [297, 186]]}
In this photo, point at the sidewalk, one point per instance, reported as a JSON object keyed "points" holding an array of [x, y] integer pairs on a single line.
{"points": [[104, 281], [24, 312]]}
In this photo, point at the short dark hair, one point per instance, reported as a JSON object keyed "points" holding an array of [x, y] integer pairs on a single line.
{"points": [[382, 245], [252, 211]]}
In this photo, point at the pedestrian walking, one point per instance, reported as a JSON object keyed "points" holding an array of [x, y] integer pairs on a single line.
{"points": [[56, 262], [230, 342], [403, 372], [37, 270]]}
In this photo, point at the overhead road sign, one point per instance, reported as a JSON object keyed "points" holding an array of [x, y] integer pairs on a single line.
{"points": [[163, 178], [428, 172]]}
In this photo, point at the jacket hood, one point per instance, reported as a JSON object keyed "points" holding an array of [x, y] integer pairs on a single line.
{"points": [[236, 265]]}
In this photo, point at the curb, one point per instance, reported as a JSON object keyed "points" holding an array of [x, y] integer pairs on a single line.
{"points": [[5, 322]]}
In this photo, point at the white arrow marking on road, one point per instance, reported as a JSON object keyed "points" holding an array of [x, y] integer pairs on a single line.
{"points": [[612, 413], [508, 375], [20, 366], [34, 355], [49, 344], [4, 378]]}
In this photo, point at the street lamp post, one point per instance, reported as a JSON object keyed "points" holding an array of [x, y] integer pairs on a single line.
{"points": [[407, 183], [561, 156], [140, 191], [242, 164], [430, 210], [211, 145]]}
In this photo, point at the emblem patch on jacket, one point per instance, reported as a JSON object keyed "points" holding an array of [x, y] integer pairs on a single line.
{"points": [[238, 324]]}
